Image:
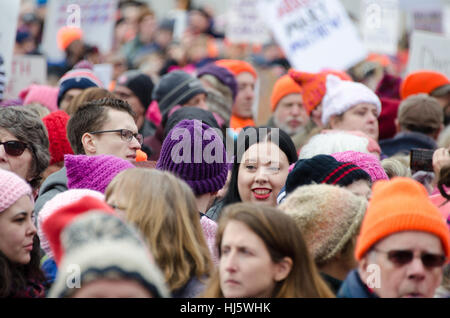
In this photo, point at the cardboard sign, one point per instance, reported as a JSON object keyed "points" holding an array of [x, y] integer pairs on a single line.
{"points": [[380, 25], [429, 51], [96, 19], [244, 23], [25, 70], [9, 12], [314, 34]]}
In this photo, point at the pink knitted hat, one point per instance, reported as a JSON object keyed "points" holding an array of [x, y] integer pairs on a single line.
{"points": [[60, 200], [368, 162], [12, 188], [93, 172], [42, 94]]}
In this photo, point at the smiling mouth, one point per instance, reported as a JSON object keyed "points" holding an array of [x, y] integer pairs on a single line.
{"points": [[261, 194]]}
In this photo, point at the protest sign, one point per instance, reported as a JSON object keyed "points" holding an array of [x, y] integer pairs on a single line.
{"points": [[244, 23], [25, 70], [95, 17], [380, 25], [9, 11], [314, 34], [429, 51]]}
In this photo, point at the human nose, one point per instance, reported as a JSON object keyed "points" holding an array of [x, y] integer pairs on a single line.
{"points": [[231, 264], [261, 175], [416, 270], [31, 230], [134, 143], [2, 153]]}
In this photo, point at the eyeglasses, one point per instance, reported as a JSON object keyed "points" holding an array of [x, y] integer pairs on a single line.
{"points": [[403, 257], [126, 134], [14, 147]]}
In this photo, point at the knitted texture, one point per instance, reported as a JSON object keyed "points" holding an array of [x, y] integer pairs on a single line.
{"points": [[284, 86], [343, 95], [314, 85], [58, 201], [194, 152], [66, 35], [323, 169], [368, 162], [209, 228], [104, 247], [422, 82], [77, 78], [237, 67], [176, 88], [329, 143], [140, 84], [400, 204], [56, 124], [45, 95], [222, 74], [328, 217], [93, 172], [12, 188], [55, 223]]}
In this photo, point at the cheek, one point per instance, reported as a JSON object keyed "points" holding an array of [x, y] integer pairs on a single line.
{"points": [[278, 181], [244, 184]]}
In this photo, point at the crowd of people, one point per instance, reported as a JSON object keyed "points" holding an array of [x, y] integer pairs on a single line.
{"points": [[166, 184]]}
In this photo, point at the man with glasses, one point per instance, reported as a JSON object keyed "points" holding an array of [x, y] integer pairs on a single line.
{"points": [[402, 247], [101, 127]]}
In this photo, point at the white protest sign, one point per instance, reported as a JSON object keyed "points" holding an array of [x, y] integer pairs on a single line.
{"points": [[429, 51], [25, 70], [380, 25], [95, 17], [314, 34], [9, 11], [244, 23], [104, 72]]}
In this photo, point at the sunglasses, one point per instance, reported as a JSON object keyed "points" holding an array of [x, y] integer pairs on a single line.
{"points": [[403, 257], [14, 147]]}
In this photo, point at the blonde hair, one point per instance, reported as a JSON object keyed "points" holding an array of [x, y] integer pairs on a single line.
{"points": [[396, 166], [87, 95], [164, 209], [282, 238]]}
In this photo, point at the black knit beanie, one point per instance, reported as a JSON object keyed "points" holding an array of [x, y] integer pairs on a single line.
{"points": [[324, 169], [140, 84]]}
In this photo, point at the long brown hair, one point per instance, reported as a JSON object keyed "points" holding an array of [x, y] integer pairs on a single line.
{"points": [[163, 208], [282, 239]]}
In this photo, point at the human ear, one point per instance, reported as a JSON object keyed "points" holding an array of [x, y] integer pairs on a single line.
{"points": [[89, 144], [283, 268]]}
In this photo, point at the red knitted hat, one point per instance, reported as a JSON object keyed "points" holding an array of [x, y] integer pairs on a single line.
{"points": [[314, 85], [55, 223], [422, 82], [56, 124], [285, 85], [66, 35]]}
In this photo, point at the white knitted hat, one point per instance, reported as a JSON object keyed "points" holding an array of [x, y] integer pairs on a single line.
{"points": [[343, 95], [57, 202]]}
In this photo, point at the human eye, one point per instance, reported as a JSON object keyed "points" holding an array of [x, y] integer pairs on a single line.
{"points": [[127, 134]]}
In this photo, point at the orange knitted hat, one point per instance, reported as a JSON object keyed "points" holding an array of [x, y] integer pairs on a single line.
{"points": [[422, 82], [285, 85], [66, 35], [314, 85], [237, 66], [401, 204]]}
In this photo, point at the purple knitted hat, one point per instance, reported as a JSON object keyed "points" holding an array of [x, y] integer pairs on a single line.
{"points": [[368, 162], [195, 153], [222, 74], [93, 172]]}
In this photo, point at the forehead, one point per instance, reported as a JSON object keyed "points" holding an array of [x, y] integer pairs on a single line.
{"points": [[6, 134], [364, 106], [264, 150], [117, 119], [416, 240], [291, 98], [245, 78], [238, 233]]}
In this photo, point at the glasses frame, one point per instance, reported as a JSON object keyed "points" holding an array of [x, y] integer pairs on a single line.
{"points": [[391, 257], [5, 143], [138, 136]]}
